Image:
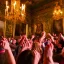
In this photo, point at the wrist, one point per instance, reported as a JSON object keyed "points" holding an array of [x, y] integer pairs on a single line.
{"points": [[8, 49]]}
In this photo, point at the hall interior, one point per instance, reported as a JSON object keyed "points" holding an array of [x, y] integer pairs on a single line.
{"points": [[32, 26], [35, 16]]}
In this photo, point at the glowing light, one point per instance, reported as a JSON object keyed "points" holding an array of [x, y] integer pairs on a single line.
{"points": [[57, 12], [14, 4]]}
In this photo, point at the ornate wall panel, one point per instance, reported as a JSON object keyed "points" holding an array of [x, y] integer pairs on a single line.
{"points": [[45, 18], [9, 28]]}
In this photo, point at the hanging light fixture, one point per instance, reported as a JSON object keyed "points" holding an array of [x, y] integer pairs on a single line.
{"points": [[15, 12], [57, 13]]}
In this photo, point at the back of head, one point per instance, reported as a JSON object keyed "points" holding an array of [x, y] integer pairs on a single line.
{"points": [[26, 57]]}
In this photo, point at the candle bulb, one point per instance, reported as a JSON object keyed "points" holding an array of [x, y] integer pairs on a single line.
{"points": [[6, 3], [14, 5], [7, 7], [7, 10], [23, 9]]}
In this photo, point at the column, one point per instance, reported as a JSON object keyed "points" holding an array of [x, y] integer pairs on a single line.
{"points": [[4, 29], [26, 29], [14, 27]]}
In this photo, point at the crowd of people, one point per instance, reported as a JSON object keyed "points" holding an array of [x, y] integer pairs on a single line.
{"points": [[44, 48]]}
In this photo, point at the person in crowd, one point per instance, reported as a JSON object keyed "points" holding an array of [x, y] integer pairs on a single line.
{"points": [[49, 50], [23, 57], [26, 57], [6, 46], [31, 51], [48, 53]]}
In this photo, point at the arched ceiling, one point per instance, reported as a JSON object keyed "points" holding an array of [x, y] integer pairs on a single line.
{"points": [[23, 1], [30, 2], [33, 3]]}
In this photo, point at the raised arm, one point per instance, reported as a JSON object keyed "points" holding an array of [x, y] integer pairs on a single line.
{"points": [[52, 38], [43, 36], [61, 36], [48, 54], [8, 51]]}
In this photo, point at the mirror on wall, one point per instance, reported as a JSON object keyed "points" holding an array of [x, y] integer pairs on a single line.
{"points": [[58, 26], [39, 28]]}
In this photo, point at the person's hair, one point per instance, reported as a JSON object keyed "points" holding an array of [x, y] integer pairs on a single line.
{"points": [[26, 57]]}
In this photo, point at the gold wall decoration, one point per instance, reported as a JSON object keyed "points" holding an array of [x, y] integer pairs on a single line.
{"points": [[9, 29]]}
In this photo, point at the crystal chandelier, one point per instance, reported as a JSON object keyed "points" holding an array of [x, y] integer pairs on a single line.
{"points": [[14, 12], [57, 13]]}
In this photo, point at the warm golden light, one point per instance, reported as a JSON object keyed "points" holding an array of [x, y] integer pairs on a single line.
{"points": [[15, 12], [14, 4], [57, 12], [6, 3], [7, 8], [22, 9]]}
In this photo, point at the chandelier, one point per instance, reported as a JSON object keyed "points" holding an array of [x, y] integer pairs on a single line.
{"points": [[14, 12], [57, 13]]}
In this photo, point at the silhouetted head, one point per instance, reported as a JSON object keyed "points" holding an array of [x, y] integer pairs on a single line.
{"points": [[26, 57]]}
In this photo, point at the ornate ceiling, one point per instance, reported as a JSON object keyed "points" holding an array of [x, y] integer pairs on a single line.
{"points": [[32, 3], [23, 1]]}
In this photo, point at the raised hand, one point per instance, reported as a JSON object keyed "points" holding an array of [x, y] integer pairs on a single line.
{"points": [[32, 37], [48, 53], [37, 56], [52, 38], [61, 36], [5, 44], [7, 48], [43, 36]]}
